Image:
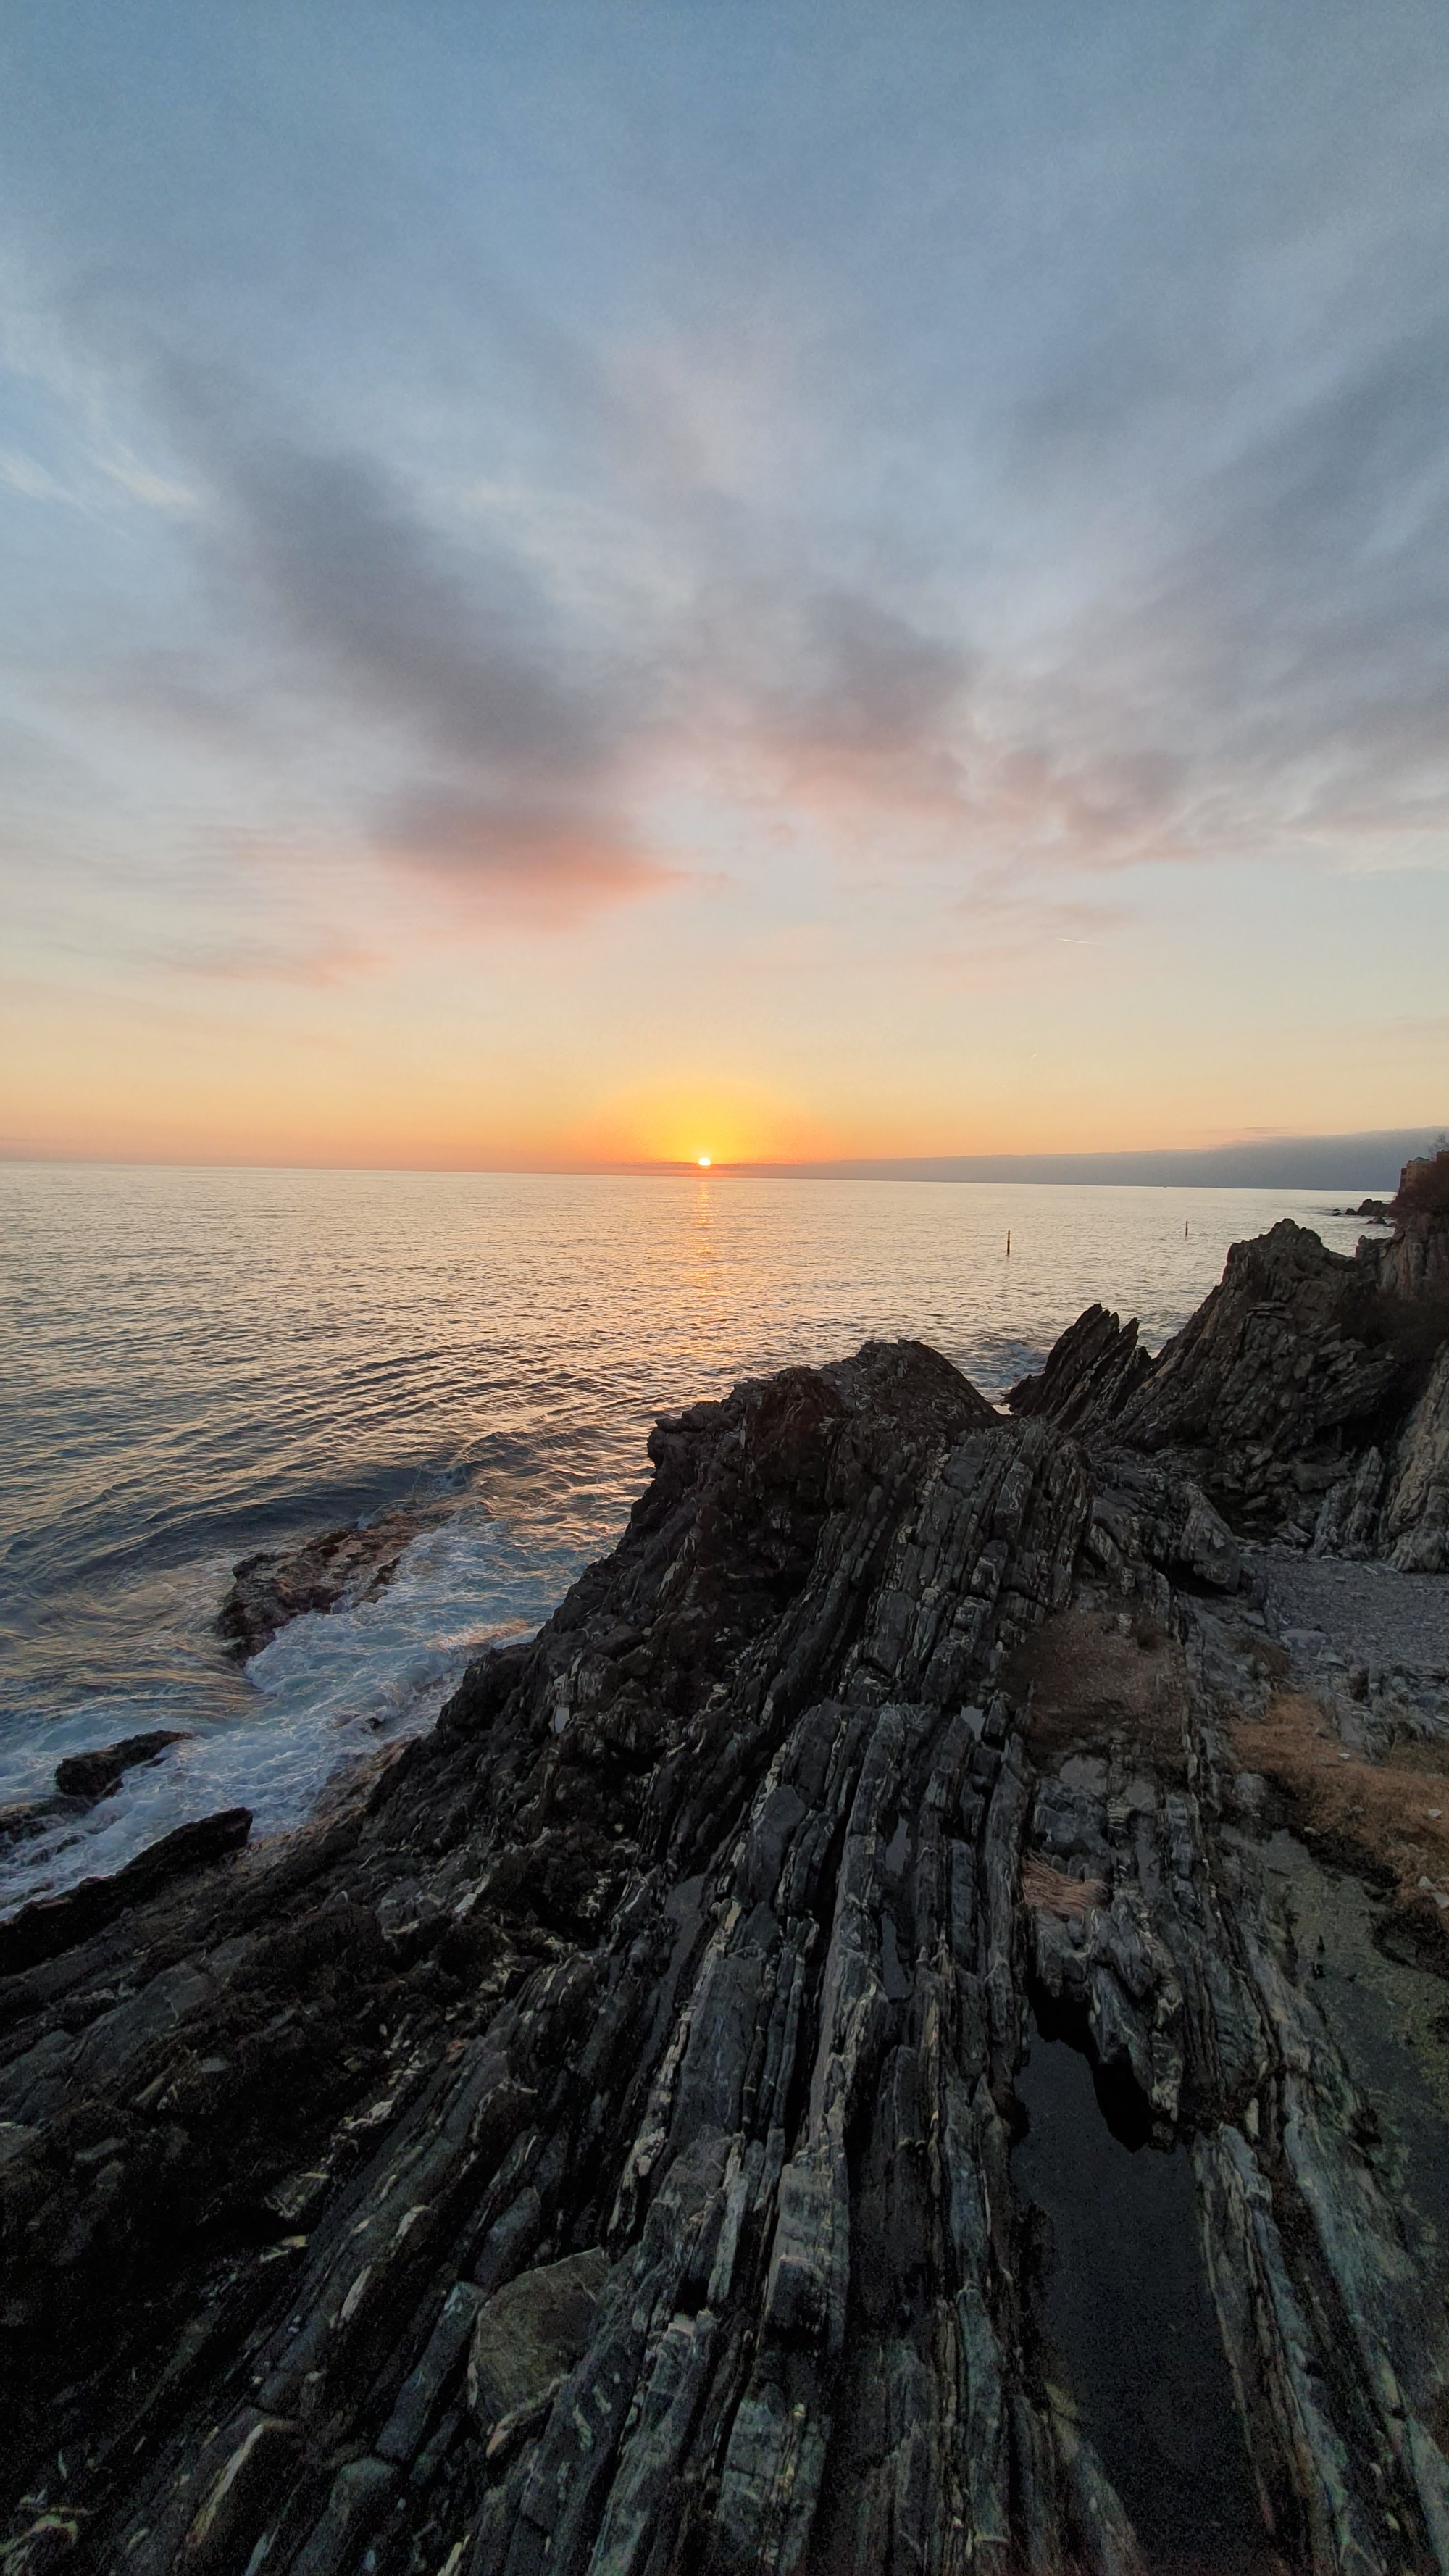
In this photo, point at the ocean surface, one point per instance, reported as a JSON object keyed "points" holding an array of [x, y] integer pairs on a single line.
{"points": [[197, 1363]]}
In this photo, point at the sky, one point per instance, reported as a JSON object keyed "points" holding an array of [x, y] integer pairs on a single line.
{"points": [[602, 583]]}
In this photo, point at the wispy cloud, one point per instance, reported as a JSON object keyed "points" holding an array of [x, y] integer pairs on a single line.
{"points": [[945, 531], [249, 960]]}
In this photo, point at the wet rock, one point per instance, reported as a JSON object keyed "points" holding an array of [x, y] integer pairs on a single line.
{"points": [[24, 1818], [95, 1775], [336, 1570], [56, 1923]]}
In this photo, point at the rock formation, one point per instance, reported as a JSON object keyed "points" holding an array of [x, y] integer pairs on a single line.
{"points": [[336, 1570], [590, 2150], [99, 1774], [82, 1780], [1308, 1393]]}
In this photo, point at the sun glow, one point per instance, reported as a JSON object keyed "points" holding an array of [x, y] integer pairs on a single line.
{"points": [[704, 1162]]}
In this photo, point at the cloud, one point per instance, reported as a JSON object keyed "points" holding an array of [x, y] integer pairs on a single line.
{"points": [[22, 474], [364, 589], [1280, 656], [251, 960], [907, 745], [1260, 668], [505, 732], [538, 862], [859, 678]]}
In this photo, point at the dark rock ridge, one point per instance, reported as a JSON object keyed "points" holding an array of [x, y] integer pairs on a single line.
{"points": [[339, 1568], [56, 1923], [1309, 1394], [590, 2152]]}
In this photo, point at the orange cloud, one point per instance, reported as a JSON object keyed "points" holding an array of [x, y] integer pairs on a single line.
{"points": [[539, 865]]}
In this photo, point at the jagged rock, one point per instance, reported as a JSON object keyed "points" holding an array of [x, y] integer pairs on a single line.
{"points": [[1415, 1265], [1271, 1379], [1414, 1518], [1089, 1374], [1297, 1367], [55, 1923], [336, 1570], [690, 1962], [94, 1775]]}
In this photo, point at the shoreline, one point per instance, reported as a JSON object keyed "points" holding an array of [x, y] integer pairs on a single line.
{"points": [[582, 2133]]}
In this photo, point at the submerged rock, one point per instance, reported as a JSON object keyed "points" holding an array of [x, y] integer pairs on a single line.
{"points": [[590, 2150]]}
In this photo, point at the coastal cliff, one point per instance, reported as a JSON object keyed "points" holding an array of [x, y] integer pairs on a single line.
{"points": [[602, 2142], [1309, 1393]]}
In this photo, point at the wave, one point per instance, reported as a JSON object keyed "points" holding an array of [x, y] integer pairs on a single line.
{"points": [[325, 1693]]}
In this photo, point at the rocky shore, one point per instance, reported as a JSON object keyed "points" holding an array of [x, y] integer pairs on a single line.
{"points": [[335, 1571], [819, 2062]]}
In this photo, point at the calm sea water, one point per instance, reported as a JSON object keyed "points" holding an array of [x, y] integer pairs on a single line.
{"points": [[196, 1363]]}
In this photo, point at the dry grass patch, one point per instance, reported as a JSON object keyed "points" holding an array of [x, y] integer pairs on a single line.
{"points": [[1042, 1884], [1395, 1815]]}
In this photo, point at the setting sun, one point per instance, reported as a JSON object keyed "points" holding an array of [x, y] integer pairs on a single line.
{"points": [[704, 1162]]}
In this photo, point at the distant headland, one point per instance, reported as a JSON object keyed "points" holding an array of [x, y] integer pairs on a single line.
{"points": [[1370, 1161]]}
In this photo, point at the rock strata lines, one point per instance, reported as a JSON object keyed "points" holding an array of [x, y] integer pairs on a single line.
{"points": [[590, 2153]]}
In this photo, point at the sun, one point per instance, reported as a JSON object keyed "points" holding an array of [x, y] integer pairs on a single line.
{"points": [[704, 1162]]}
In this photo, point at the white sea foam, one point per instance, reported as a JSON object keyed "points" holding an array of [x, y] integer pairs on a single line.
{"points": [[329, 1688]]}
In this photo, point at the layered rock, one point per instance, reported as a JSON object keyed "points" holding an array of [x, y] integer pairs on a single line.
{"points": [[1089, 1375], [1413, 1515], [1306, 1395], [592, 2149]]}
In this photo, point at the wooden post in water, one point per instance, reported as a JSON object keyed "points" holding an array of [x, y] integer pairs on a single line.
{"points": [[1008, 1243]]}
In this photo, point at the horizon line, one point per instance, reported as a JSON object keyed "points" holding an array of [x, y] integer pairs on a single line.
{"points": [[1368, 1160]]}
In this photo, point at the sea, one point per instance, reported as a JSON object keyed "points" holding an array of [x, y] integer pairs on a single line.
{"points": [[198, 1363]]}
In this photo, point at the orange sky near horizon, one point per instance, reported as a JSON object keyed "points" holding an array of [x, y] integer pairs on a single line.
{"points": [[341, 1076]]}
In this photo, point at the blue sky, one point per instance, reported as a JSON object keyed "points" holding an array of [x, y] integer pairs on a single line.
{"points": [[591, 581]]}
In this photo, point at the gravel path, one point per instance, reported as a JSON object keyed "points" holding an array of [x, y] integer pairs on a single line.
{"points": [[1369, 1614]]}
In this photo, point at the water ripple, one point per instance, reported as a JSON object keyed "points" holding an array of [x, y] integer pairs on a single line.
{"points": [[197, 1363]]}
